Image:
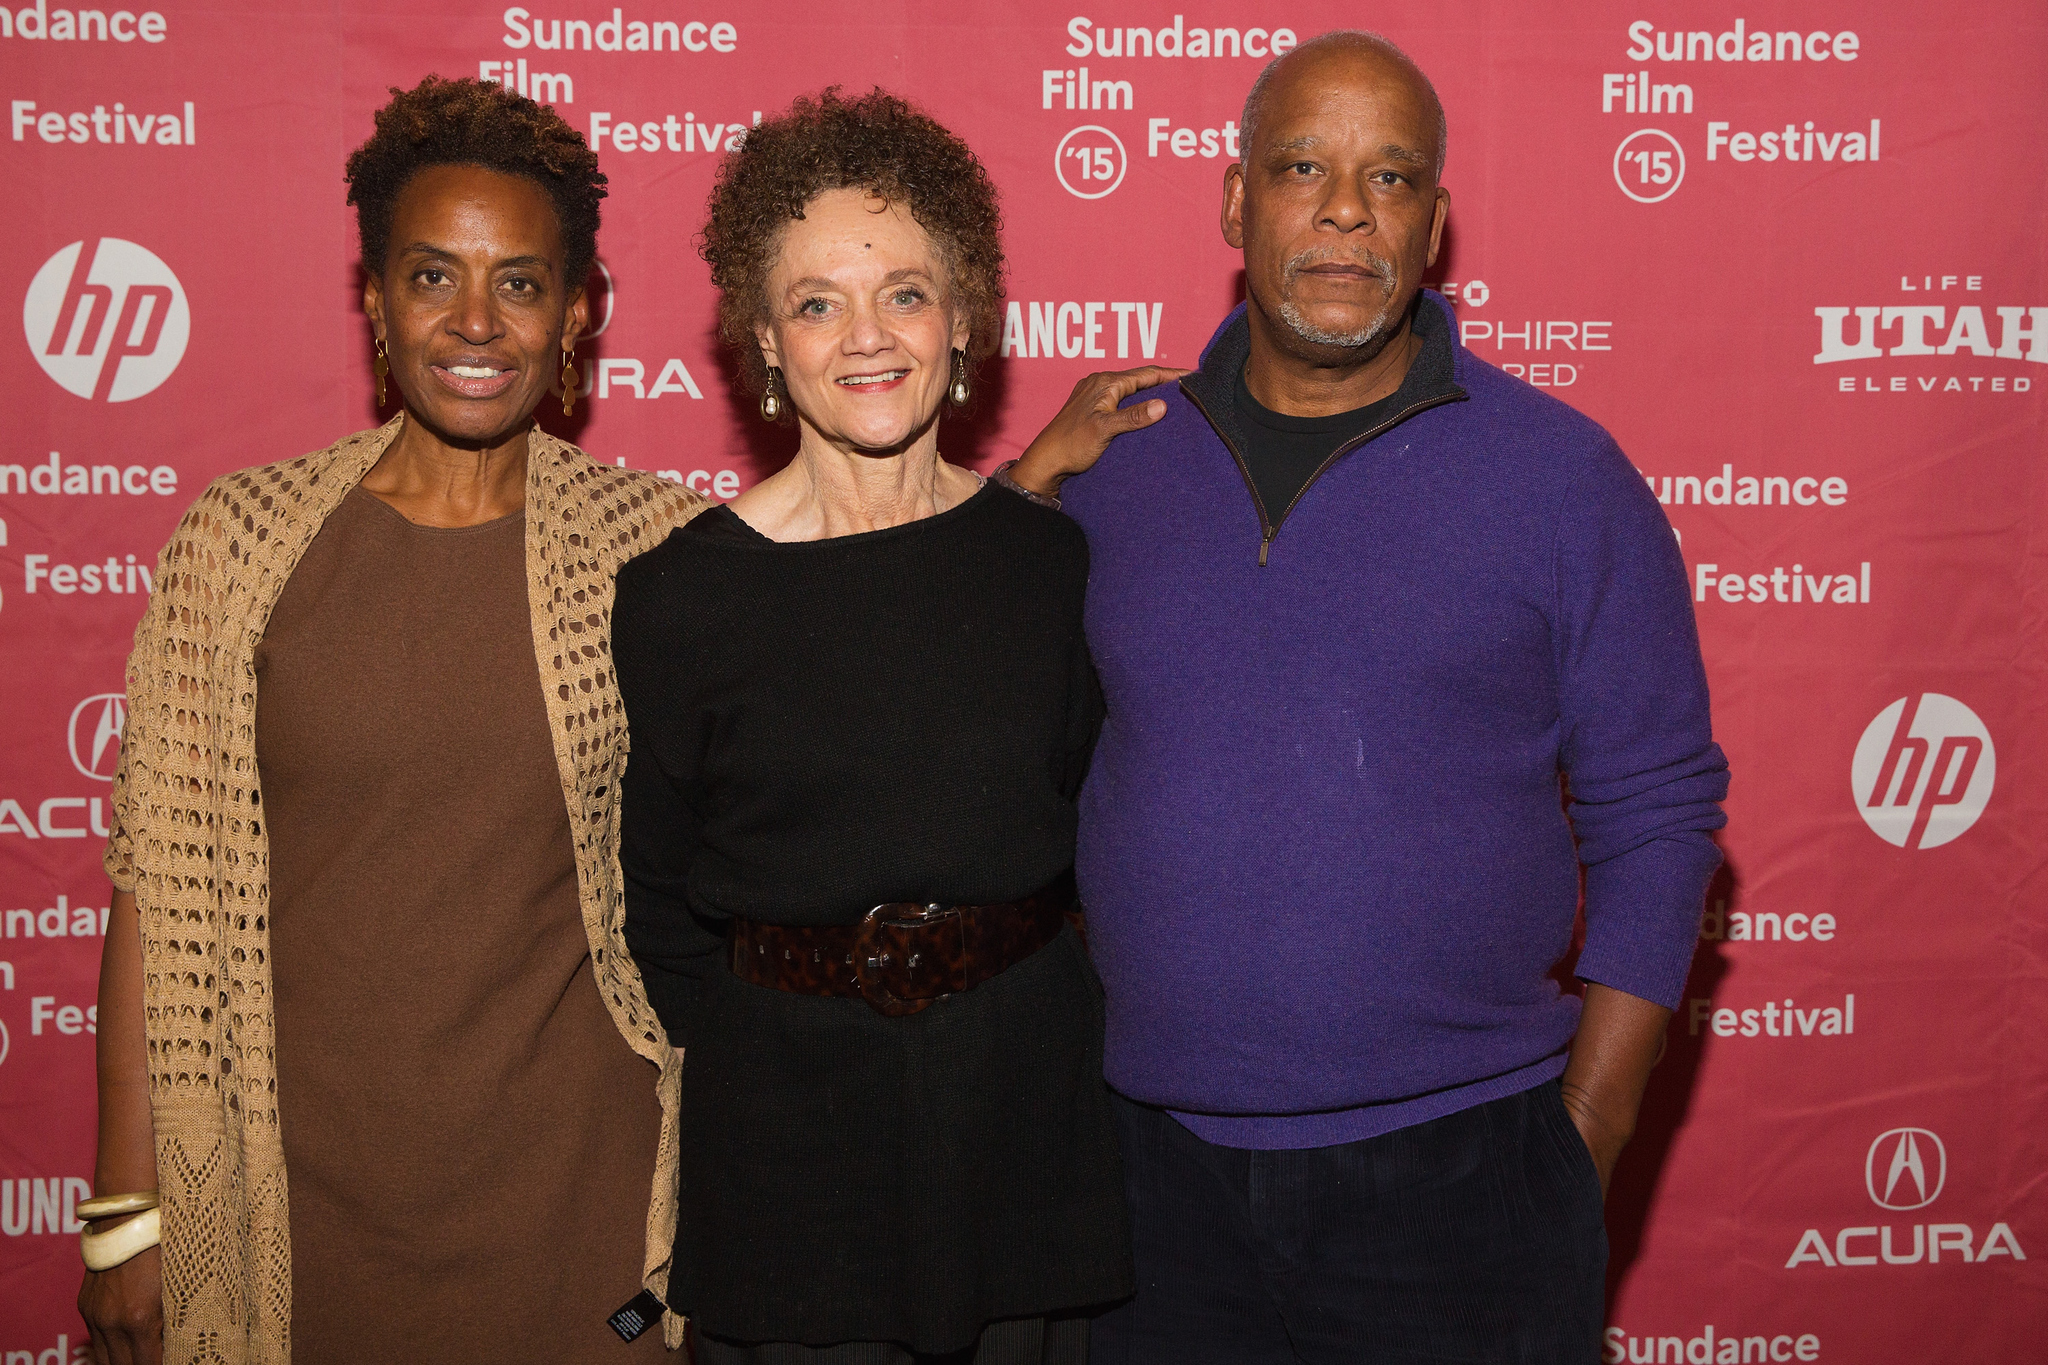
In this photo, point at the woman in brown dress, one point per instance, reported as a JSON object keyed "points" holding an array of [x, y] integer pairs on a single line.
{"points": [[365, 958]]}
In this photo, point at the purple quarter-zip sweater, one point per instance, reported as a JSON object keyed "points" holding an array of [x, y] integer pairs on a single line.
{"points": [[1323, 851]]}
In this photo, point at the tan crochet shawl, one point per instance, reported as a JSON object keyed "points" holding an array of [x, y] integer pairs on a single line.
{"points": [[189, 841]]}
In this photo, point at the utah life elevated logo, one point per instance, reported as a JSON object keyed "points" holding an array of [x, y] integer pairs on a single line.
{"points": [[106, 319], [1923, 771]]}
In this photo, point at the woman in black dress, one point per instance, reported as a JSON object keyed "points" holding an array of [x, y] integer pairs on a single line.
{"points": [[860, 708]]}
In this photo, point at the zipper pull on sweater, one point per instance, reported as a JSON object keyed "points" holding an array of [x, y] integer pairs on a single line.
{"points": [[1265, 544]]}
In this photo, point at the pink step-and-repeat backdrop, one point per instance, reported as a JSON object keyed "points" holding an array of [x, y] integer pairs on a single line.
{"points": [[1790, 254]]}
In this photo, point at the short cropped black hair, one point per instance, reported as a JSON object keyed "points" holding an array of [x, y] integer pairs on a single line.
{"points": [[879, 143], [475, 123]]}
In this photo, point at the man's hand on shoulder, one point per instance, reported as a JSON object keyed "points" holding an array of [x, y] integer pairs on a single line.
{"points": [[1075, 439]]}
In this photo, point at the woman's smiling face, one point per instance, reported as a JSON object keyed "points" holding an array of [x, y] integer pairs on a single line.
{"points": [[860, 322], [472, 303]]}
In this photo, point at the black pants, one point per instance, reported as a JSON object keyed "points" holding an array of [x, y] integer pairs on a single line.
{"points": [[1474, 1237]]}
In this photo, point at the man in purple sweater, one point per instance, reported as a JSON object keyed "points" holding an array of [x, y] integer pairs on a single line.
{"points": [[1364, 608]]}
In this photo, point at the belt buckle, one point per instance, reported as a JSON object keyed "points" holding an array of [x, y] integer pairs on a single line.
{"points": [[874, 958]]}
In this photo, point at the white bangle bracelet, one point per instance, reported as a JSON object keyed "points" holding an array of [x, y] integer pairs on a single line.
{"points": [[123, 1242], [114, 1205]]}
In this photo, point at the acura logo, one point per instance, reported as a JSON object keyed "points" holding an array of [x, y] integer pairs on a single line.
{"points": [[96, 726], [1905, 1169]]}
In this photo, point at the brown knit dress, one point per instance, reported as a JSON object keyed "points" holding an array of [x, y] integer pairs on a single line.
{"points": [[469, 1143]]}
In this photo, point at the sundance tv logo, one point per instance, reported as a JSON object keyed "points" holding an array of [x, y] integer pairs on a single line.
{"points": [[106, 319], [1923, 771]]}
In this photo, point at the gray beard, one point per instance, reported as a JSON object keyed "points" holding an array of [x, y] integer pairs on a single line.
{"points": [[1308, 331], [1373, 331]]}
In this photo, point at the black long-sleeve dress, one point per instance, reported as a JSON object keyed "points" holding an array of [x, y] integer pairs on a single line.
{"points": [[818, 727]]}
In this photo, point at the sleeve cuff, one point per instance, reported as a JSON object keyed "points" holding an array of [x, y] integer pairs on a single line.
{"points": [[1643, 917]]}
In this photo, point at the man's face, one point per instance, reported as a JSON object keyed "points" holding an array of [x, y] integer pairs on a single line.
{"points": [[1336, 205]]}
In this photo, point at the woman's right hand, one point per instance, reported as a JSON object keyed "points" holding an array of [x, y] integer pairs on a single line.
{"points": [[1075, 439], [123, 1310]]}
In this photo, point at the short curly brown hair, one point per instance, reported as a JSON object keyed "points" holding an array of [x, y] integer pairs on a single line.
{"points": [[475, 123], [878, 143]]}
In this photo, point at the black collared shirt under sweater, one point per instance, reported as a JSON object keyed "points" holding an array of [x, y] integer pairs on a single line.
{"points": [[817, 727]]}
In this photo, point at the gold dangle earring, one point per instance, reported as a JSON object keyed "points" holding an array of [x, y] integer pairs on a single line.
{"points": [[381, 368], [960, 391], [570, 379], [772, 396]]}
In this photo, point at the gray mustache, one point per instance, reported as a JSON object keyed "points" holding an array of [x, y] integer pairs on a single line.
{"points": [[1316, 256]]}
